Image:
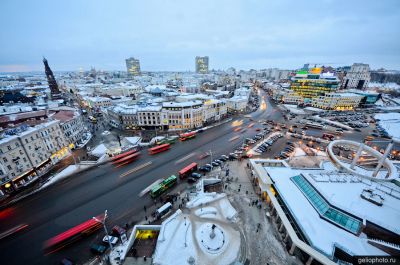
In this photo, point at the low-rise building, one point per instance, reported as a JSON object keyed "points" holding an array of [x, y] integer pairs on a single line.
{"points": [[72, 124], [326, 215], [151, 117], [337, 101], [98, 102], [184, 115], [123, 117], [214, 110]]}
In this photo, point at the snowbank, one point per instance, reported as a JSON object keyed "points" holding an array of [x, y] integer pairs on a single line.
{"points": [[99, 151], [390, 122]]}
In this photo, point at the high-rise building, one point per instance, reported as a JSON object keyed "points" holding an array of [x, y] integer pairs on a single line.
{"points": [[133, 66], [55, 92], [201, 64], [312, 83], [358, 77]]}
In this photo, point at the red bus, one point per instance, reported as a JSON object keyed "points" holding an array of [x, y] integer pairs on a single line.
{"points": [[184, 172], [127, 159], [70, 236], [328, 136], [123, 155], [187, 136], [158, 149]]}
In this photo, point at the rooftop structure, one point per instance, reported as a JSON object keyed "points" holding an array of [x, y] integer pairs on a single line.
{"points": [[356, 215]]}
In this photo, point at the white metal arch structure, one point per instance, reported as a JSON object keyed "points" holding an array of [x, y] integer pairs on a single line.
{"points": [[392, 172]]}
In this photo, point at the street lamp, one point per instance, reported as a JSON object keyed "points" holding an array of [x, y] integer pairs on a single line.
{"points": [[103, 222]]}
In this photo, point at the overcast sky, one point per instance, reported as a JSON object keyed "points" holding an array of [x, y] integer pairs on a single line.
{"points": [[167, 35]]}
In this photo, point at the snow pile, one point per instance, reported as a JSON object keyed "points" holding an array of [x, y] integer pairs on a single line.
{"points": [[185, 237], [390, 122], [294, 109], [298, 152], [68, 171], [99, 151], [384, 85]]}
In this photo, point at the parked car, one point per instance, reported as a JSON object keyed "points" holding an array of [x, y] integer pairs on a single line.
{"points": [[113, 240], [205, 169], [196, 175], [117, 231], [98, 249], [214, 164], [191, 180]]}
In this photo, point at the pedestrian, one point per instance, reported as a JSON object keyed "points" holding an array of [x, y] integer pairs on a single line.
{"points": [[145, 217], [144, 207]]}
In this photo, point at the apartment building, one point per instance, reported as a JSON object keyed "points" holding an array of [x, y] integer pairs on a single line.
{"points": [[28, 152]]}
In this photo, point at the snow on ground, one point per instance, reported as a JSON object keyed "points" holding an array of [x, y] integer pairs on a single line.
{"points": [[390, 122], [186, 236], [342, 125], [294, 109], [298, 152], [314, 109], [99, 151], [203, 199], [384, 85], [68, 171]]}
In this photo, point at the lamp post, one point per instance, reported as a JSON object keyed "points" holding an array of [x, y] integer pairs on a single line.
{"points": [[103, 222]]}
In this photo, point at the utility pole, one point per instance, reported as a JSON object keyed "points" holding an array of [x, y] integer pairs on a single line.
{"points": [[105, 229]]}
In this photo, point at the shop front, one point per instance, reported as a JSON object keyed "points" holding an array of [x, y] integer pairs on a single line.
{"points": [[25, 179]]}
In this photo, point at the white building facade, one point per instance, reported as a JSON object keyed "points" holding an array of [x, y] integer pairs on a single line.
{"points": [[358, 77]]}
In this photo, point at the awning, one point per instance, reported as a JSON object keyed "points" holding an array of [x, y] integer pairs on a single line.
{"points": [[24, 175]]}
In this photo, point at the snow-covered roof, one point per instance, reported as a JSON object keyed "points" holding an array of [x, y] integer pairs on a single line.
{"points": [[343, 192], [182, 104]]}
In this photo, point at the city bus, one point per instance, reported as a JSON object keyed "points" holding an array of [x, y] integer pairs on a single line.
{"points": [[328, 136], [159, 149], [122, 155], [166, 141], [163, 210], [159, 189], [186, 171], [187, 136], [73, 234], [127, 159]]}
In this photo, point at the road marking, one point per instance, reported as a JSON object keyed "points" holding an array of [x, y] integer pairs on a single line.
{"points": [[233, 138], [146, 190], [184, 158], [135, 169]]}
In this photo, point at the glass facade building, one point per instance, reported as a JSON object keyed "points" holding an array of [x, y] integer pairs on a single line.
{"points": [[311, 84], [324, 209]]}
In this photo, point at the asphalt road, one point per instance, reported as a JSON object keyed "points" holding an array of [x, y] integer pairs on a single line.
{"points": [[78, 198]]}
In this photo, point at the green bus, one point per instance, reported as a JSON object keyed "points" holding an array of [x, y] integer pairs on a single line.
{"points": [[159, 189], [166, 141]]}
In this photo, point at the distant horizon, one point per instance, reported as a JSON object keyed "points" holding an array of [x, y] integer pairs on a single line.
{"points": [[168, 35]]}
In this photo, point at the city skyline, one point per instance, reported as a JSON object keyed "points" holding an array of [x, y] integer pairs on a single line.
{"points": [[167, 36]]}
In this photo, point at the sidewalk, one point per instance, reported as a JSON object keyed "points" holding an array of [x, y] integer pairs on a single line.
{"points": [[78, 155], [262, 240]]}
